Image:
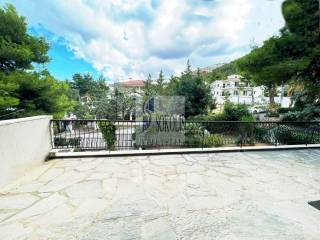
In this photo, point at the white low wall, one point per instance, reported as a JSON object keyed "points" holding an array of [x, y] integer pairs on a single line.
{"points": [[24, 143]]}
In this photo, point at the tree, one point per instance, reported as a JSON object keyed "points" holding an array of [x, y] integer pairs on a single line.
{"points": [[267, 67], [148, 88], [38, 93], [24, 92], [18, 49], [222, 72], [196, 92], [294, 55], [118, 106], [160, 82]]}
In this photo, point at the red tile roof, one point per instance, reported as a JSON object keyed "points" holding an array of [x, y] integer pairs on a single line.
{"points": [[132, 83]]}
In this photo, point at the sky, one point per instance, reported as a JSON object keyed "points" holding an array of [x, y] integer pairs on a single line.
{"points": [[131, 38]]}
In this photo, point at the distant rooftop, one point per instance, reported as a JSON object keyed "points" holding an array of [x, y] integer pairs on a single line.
{"points": [[131, 83]]}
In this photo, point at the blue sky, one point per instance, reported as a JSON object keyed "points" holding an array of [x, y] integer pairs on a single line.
{"points": [[131, 38]]}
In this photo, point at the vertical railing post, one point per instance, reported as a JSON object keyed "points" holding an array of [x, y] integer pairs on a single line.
{"points": [[51, 133], [241, 135], [276, 139]]}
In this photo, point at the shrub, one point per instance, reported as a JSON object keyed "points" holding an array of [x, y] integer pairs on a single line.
{"points": [[248, 118], [290, 135], [235, 112], [194, 134], [62, 142], [284, 110], [273, 110], [213, 140], [108, 130]]}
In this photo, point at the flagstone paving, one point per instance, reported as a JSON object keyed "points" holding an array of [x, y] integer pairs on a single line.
{"points": [[251, 195]]}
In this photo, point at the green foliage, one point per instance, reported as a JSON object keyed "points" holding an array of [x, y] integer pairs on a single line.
{"points": [[18, 49], [23, 92], [160, 83], [309, 112], [194, 134], [235, 112], [294, 55], [232, 112], [118, 105], [273, 110], [290, 135], [222, 72], [82, 111], [193, 87], [87, 86], [214, 140], [63, 142], [35, 94], [8, 98], [248, 118], [149, 89], [108, 130]]}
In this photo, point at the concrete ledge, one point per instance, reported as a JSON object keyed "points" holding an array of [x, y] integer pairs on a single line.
{"points": [[21, 120], [57, 154], [24, 143]]}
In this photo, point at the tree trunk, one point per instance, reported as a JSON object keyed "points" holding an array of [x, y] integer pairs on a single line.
{"points": [[271, 94]]}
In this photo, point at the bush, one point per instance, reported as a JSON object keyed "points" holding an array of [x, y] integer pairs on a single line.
{"points": [[208, 118], [273, 110], [248, 118], [108, 130], [283, 110], [290, 135], [310, 112], [234, 112], [213, 140], [63, 142], [194, 134]]}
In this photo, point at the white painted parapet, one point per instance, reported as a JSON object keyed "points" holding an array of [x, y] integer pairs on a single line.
{"points": [[24, 144]]}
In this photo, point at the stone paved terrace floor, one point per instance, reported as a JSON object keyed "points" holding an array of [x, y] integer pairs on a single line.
{"points": [[252, 195]]}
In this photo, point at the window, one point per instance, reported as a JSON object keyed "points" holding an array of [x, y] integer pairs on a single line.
{"points": [[222, 94], [246, 84], [236, 93], [245, 93], [236, 84], [224, 85]]}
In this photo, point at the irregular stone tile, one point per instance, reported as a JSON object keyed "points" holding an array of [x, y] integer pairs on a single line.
{"points": [[87, 165], [27, 188], [256, 195], [67, 179], [16, 201], [87, 189], [41, 207], [51, 174], [89, 207], [14, 231], [159, 229]]}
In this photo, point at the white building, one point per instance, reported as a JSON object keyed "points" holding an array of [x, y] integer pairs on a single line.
{"points": [[239, 91]]}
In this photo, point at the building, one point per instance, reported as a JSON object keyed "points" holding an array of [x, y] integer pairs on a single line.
{"points": [[131, 84], [239, 91]]}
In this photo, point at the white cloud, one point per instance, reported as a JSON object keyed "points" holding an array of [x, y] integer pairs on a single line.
{"points": [[123, 38]]}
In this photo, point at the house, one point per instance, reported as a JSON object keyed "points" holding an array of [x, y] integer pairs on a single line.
{"points": [[131, 84], [239, 91]]}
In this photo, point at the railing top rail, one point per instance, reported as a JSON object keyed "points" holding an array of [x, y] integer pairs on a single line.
{"points": [[187, 121]]}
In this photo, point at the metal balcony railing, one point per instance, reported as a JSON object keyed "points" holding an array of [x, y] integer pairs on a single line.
{"points": [[84, 135]]}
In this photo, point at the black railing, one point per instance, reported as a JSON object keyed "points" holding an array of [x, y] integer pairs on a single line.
{"points": [[82, 135]]}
